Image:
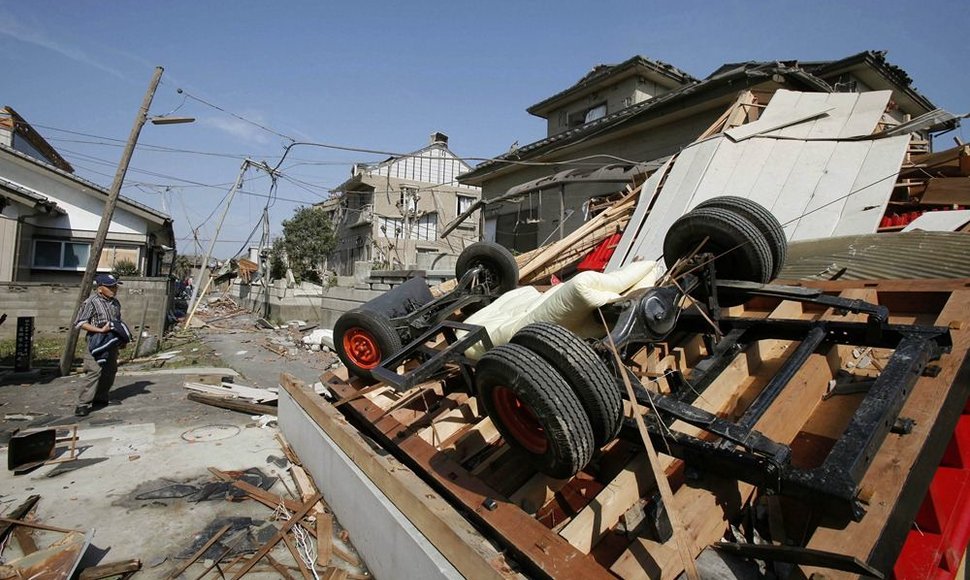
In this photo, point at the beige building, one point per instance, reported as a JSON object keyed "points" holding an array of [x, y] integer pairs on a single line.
{"points": [[642, 110], [390, 213]]}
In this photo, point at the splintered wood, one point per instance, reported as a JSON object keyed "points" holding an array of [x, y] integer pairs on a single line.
{"points": [[586, 526]]}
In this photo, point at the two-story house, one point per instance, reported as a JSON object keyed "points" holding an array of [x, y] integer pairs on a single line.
{"points": [[390, 213], [642, 110]]}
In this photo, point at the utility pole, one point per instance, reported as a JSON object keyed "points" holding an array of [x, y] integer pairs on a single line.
{"points": [[67, 358], [246, 164], [205, 261]]}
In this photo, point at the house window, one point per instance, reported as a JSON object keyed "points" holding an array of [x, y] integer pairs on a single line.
{"points": [[464, 203], [595, 112], [409, 200], [60, 255], [67, 255], [423, 228]]}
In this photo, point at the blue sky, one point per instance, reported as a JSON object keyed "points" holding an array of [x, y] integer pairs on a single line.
{"points": [[384, 76]]}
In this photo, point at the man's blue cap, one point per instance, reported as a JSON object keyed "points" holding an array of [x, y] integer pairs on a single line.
{"points": [[106, 280]]}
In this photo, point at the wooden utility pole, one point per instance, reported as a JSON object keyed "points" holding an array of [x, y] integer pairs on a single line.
{"points": [[67, 358]]}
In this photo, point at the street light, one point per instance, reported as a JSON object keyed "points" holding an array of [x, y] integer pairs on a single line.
{"points": [[163, 120], [67, 357]]}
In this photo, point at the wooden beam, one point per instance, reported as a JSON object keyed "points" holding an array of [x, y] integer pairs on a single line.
{"points": [[934, 285], [447, 530]]}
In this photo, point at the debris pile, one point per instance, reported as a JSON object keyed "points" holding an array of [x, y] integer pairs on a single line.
{"points": [[308, 542]]}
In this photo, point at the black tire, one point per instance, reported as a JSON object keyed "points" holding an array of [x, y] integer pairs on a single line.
{"points": [[741, 251], [363, 339], [501, 272], [584, 372], [763, 219], [535, 410]]}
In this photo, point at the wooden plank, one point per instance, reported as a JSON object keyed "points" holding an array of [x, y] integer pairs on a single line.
{"points": [[266, 498], [947, 191], [433, 516], [295, 552], [324, 539], [111, 569], [647, 192], [232, 404], [532, 542], [895, 468]]}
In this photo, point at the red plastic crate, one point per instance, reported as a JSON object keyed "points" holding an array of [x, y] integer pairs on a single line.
{"points": [[937, 542]]}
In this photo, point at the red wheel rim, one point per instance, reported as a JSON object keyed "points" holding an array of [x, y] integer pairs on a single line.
{"points": [[520, 420], [361, 348]]}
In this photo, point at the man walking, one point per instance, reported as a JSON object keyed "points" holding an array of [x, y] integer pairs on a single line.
{"points": [[98, 316]]}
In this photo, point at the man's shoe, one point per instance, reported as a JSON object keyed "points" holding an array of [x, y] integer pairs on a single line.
{"points": [[82, 411], [108, 402]]}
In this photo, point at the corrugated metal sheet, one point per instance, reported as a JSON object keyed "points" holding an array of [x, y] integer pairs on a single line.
{"points": [[814, 174], [890, 256]]}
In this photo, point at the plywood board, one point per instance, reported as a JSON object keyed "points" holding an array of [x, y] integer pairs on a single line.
{"points": [[870, 192]]}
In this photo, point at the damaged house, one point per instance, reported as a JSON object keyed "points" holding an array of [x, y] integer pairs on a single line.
{"points": [[390, 213], [644, 110]]}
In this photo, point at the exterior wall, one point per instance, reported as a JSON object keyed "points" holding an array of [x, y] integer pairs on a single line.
{"points": [[84, 207], [645, 143], [618, 95], [52, 305]]}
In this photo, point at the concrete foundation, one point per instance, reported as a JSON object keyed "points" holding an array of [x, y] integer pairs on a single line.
{"points": [[388, 543]]}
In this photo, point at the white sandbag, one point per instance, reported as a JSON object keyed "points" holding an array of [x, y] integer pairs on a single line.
{"points": [[320, 337]]}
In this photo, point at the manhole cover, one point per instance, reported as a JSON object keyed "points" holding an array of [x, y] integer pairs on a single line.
{"points": [[210, 433]]}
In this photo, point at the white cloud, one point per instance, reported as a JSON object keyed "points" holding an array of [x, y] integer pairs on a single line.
{"points": [[18, 30], [246, 132]]}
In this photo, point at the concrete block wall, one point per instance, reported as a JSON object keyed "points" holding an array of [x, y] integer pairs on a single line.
{"points": [[52, 305], [326, 305]]}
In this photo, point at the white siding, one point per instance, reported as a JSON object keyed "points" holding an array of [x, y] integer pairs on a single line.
{"points": [[813, 180]]}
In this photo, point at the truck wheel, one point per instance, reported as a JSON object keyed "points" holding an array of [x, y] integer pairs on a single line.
{"points": [[741, 251], [535, 410], [764, 220], [364, 338], [500, 271], [584, 372]]}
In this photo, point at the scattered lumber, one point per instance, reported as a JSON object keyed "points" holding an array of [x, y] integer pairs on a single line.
{"points": [[232, 390], [232, 404]]}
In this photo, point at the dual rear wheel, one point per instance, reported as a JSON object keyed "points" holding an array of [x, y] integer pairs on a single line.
{"points": [[550, 396]]}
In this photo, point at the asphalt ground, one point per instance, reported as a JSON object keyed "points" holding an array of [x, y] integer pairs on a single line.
{"points": [[141, 484]]}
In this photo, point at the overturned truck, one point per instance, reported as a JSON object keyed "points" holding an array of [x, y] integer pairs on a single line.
{"points": [[559, 396]]}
